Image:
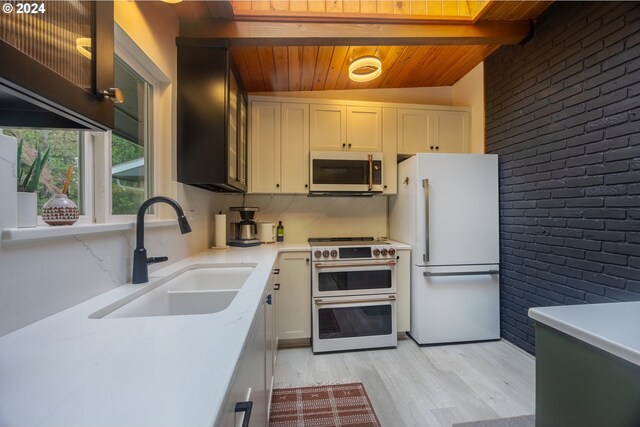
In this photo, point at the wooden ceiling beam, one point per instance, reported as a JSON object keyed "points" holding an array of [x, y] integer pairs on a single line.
{"points": [[220, 9], [243, 33]]}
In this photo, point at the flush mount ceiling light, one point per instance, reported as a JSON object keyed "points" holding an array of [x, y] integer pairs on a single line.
{"points": [[365, 69], [83, 44], [172, 1]]}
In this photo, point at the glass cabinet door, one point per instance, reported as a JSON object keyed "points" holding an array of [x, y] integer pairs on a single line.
{"points": [[59, 52], [232, 136], [242, 143]]}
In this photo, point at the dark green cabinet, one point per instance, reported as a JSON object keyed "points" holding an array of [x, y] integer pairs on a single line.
{"points": [[578, 384], [212, 118], [56, 64]]}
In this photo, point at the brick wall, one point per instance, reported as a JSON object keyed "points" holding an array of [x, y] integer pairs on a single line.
{"points": [[563, 113]]}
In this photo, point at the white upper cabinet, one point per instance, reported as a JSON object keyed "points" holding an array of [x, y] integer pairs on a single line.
{"points": [[279, 147], [414, 131], [265, 147], [328, 127], [348, 128], [364, 128], [432, 131], [294, 148], [451, 131]]}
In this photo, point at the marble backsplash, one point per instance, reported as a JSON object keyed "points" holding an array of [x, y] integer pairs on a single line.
{"points": [[304, 217]]}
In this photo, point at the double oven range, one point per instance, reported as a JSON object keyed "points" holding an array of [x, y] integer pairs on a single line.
{"points": [[353, 294]]}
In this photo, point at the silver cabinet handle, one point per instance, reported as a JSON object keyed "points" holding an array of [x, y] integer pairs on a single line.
{"points": [[425, 184], [354, 264], [461, 273], [347, 301]]}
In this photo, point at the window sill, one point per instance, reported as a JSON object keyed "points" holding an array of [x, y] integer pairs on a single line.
{"points": [[48, 232]]}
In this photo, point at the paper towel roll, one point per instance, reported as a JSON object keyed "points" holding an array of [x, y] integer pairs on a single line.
{"points": [[220, 231]]}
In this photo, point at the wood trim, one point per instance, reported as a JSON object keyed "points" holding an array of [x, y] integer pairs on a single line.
{"points": [[338, 17], [220, 9], [243, 33], [357, 103]]}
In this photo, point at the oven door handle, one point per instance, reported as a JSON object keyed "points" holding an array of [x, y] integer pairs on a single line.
{"points": [[389, 263], [354, 301]]}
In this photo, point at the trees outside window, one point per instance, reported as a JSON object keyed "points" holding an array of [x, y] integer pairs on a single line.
{"points": [[65, 149]]}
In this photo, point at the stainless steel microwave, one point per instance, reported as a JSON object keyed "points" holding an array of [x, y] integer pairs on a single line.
{"points": [[345, 173]]}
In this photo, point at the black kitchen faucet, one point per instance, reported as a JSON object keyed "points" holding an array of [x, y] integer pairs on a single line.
{"points": [[140, 260]]}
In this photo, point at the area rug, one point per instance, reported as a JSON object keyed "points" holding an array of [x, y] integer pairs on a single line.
{"points": [[524, 421], [322, 406]]}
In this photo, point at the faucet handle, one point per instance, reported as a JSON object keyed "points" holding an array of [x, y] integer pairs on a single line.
{"points": [[156, 259]]}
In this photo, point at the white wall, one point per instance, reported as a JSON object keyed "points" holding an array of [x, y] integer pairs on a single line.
{"points": [[304, 217], [415, 95], [469, 92], [42, 277]]}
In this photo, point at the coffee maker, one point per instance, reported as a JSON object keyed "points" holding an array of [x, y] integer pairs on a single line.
{"points": [[244, 233]]}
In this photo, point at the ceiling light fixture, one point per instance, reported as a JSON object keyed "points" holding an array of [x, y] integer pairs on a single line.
{"points": [[365, 69], [172, 1], [83, 44]]}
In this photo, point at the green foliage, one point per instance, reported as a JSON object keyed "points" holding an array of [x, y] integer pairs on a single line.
{"points": [[64, 149], [30, 182], [126, 195]]}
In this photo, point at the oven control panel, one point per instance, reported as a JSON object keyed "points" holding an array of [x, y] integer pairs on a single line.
{"points": [[339, 253]]}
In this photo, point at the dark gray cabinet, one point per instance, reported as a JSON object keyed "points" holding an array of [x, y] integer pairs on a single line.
{"points": [[56, 63], [578, 384], [212, 118]]}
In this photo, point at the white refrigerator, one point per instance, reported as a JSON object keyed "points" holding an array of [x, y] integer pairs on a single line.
{"points": [[447, 210]]}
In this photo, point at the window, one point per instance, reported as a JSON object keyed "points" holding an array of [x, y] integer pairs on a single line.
{"points": [[65, 148], [130, 142], [113, 171]]}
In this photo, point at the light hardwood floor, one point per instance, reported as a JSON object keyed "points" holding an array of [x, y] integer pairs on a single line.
{"points": [[424, 386]]}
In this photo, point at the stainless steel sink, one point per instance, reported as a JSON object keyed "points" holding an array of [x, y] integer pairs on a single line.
{"points": [[199, 289]]}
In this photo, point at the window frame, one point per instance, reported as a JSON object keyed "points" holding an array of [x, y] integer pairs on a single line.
{"points": [[127, 51]]}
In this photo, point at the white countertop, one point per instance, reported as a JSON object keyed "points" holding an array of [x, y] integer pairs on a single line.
{"points": [[614, 327], [69, 370]]}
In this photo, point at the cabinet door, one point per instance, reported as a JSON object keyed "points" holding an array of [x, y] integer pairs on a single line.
{"points": [[242, 139], [270, 334], [451, 131], [56, 64], [294, 148], [232, 126], [294, 302], [403, 282], [265, 147], [248, 383], [414, 131], [364, 128], [390, 150], [328, 127]]}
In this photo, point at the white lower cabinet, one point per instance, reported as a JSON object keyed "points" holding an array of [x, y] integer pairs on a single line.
{"points": [[294, 296], [255, 372], [403, 282]]}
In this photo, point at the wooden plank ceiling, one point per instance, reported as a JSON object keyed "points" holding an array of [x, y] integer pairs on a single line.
{"points": [[302, 45]]}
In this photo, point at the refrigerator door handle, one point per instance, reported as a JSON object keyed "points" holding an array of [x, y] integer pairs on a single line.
{"points": [[461, 273], [425, 184]]}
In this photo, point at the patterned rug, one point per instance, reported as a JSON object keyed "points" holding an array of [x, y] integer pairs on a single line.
{"points": [[322, 406]]}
